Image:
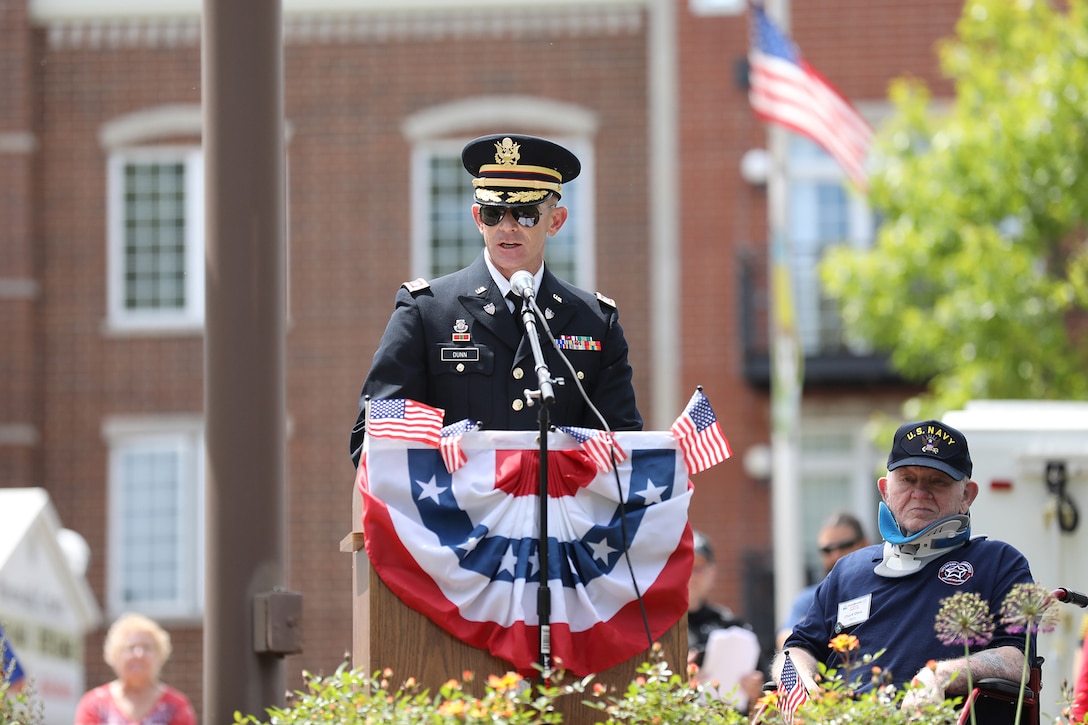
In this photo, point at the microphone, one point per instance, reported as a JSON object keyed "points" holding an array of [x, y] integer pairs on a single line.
{"points": [[522, 284], [1071, 597]]}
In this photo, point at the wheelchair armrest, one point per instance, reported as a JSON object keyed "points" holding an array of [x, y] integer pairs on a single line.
{"points": [[1001, 686]]}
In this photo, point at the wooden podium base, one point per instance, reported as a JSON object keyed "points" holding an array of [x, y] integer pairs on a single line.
{"points": [[387, 633]]}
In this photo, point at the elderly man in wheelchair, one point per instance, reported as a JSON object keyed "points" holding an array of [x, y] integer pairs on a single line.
{"points": [[888, 595]]}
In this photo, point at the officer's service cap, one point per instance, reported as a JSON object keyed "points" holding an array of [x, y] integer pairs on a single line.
{"points": [[517, 170]]}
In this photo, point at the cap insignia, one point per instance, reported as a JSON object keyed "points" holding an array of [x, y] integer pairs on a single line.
{"points": [[507, 152]]}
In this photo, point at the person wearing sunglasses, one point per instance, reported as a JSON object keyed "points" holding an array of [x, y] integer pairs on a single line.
{"points": [[840, 534], [456, 342]]}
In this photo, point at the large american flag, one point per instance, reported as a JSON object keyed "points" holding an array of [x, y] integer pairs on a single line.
{"points": [[404, 420], [784, 89], [699, 436]]}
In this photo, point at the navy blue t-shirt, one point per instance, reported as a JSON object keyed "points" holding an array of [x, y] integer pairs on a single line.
{"points": [[897, 615]]}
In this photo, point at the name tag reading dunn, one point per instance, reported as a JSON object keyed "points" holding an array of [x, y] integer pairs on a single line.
{"points": [[460, 354]]}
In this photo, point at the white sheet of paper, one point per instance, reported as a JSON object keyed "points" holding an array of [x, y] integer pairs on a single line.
{"points": [[730, 654]]}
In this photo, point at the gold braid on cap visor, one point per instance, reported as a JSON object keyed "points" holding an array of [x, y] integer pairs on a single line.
{"points": [[529, 183]]}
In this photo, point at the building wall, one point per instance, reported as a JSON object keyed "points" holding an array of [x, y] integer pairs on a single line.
{"points": [[349, 87], [350, 83]]}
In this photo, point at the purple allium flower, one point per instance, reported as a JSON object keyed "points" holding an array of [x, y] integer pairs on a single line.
{"points": [[1029, 608], [964, 618]]}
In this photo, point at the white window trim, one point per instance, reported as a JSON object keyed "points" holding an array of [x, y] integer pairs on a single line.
{"points": [[185, 433], [191, 318]]}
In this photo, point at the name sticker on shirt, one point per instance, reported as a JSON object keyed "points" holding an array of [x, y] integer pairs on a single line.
{"points": [[854, 611]]}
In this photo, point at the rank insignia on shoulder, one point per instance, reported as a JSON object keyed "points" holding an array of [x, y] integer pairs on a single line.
{"points": [[607, 300], [416, 285]]}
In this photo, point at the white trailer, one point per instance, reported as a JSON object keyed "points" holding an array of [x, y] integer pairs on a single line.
{"points": [[1031, 465]]}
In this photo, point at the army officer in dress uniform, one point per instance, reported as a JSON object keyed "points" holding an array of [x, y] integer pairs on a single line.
{"points": [[456, 342]]}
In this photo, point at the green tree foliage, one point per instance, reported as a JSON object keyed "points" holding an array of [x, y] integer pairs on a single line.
{"points": [[978, 281]]}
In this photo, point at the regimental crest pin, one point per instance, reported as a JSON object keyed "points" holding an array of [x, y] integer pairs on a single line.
{"points": [[460, 332], [548, 314], [489, 308]]}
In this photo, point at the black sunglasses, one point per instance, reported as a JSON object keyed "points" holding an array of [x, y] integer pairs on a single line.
{"points": [[527, 216], [825, 550]]}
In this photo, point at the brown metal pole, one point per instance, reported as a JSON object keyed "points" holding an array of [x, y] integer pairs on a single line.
{"points": [[244, 350]]}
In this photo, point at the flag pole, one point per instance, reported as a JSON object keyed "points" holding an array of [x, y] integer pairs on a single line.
{"points": [[787, 372]]}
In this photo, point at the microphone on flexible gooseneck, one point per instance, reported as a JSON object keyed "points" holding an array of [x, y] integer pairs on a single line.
{"points": [[522, 284]]}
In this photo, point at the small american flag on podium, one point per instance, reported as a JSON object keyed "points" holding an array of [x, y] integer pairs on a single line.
{"points": [[404, 420], [699, 435]]}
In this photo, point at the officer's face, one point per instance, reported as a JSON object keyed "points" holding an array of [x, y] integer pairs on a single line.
{"points": [[512, 246]]}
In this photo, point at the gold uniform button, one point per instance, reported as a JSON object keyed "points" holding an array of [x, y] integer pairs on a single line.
{"points": [[518, 373], [460, 367], [581, 375], [517, 404]]}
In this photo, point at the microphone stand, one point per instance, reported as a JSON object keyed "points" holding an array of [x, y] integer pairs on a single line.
{"points": [[547, 397], [543, 375]]}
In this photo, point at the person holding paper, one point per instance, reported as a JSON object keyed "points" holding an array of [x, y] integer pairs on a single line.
{"points": [[721, 645]]}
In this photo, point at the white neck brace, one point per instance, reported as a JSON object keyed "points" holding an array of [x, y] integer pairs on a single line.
{"points": [[904, 555]]}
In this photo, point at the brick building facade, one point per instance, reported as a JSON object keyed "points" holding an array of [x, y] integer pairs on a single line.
{"points": [[651, 89]]}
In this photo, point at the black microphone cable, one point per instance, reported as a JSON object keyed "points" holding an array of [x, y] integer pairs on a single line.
{"points": [[615, 466]]}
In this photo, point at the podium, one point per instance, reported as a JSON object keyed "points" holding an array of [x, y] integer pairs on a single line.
{"points": [[387, 633], [405, 505]]}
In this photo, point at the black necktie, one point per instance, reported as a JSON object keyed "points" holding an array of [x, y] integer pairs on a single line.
{"points": [[512, 296]]}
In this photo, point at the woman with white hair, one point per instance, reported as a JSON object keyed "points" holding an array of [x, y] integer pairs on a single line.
{"points": [[136, 648]]}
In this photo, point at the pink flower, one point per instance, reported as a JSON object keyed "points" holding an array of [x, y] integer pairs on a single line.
{"points": [[1029, 608], [964, 618]]}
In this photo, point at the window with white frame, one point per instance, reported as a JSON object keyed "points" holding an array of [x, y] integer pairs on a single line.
{"points": [[823, 212], [445, 237], [156, 503], [156, 239], [838, 462]]}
